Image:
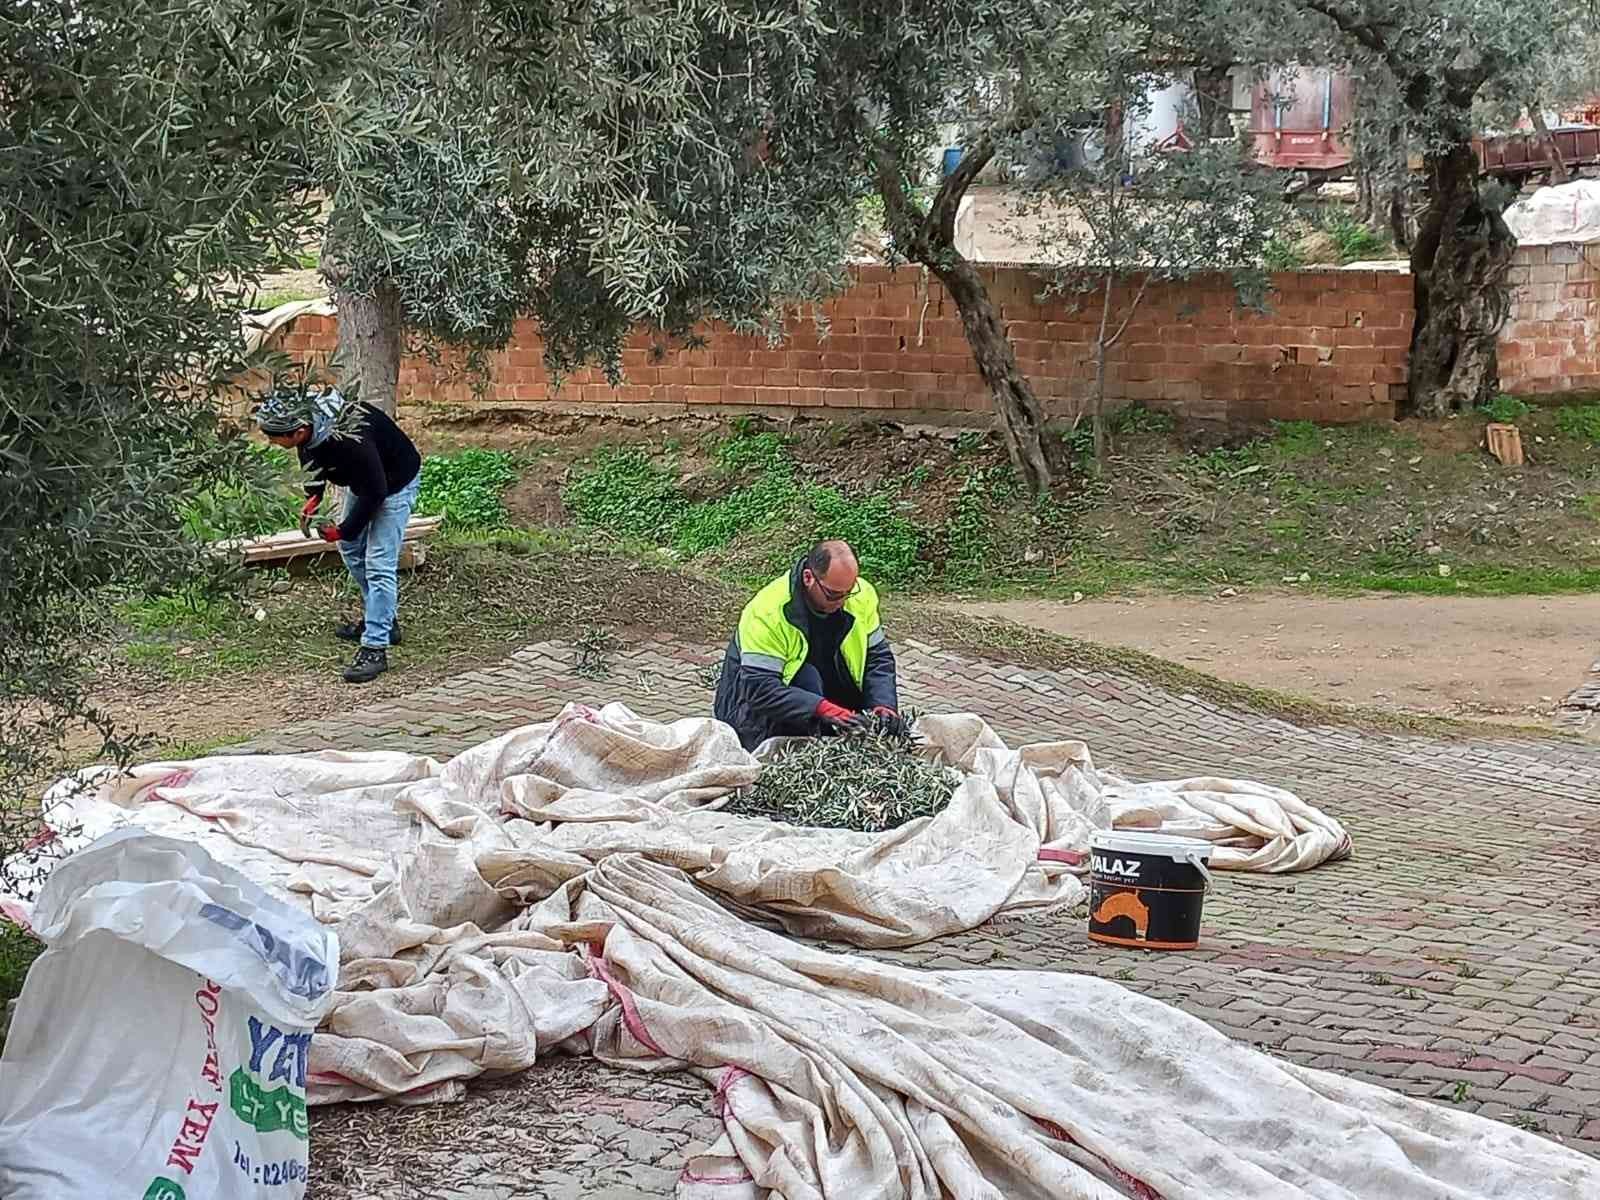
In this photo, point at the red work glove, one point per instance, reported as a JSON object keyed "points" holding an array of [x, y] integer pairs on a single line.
{"points": [[330, 533], [307, 513], [883, 710], [837, 715]]}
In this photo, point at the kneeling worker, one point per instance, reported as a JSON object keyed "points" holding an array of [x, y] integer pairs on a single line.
{"points": [[810, 655], [365, 452]]}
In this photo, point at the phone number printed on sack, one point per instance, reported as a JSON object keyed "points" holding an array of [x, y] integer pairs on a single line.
{"points": [[270, 1174]]}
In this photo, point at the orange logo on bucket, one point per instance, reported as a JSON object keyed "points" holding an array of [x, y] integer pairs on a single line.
{"points": [[1124, 904]]}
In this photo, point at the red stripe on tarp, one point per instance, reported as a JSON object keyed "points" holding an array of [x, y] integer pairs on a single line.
{"points": [[730, 1076], [1140, 1189], [1071, 857], [43, 838], [594, 960]]}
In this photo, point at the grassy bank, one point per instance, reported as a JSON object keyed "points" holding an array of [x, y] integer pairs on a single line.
{"points": [[1400, 508]]}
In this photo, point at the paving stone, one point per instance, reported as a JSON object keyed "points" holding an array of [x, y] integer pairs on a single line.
{"points": [[1427, 960]]}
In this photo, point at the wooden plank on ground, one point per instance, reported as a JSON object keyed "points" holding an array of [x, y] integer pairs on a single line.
{"points": [[1504, 442], [276, 548]]}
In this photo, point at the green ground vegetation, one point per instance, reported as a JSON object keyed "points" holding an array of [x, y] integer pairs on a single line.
{"points": [[1397, 507], [465, 488], [587, 529], [1325, 234], [195, 631], [1404, 507]]}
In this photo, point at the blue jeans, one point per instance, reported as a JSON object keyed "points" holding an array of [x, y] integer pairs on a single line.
{"points": [[373, 560]]}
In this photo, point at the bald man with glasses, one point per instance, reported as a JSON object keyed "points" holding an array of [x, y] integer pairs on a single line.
{"points": [[810, 656]]}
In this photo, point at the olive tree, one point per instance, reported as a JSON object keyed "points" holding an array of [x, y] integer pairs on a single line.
{"points": [[150, 168], [1013, 77], [1425, 66], [606, 166], [1135, 213], [1426, 73], [623, 165], [892, 77]]}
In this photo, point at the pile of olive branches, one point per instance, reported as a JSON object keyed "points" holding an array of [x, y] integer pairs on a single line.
{"points": [[871, 780]]}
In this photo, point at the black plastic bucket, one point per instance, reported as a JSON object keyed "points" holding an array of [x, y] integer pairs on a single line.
{"points": [[1147, 890]]}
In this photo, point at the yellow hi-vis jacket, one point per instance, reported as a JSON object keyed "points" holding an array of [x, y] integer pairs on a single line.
{"points": [[755, 693]]}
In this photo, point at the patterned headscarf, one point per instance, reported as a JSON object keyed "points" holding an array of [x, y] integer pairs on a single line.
{"points": [[283, 411]]}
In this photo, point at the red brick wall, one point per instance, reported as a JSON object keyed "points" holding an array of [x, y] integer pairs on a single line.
{"points": [[1552, 341], [1332, 348]]}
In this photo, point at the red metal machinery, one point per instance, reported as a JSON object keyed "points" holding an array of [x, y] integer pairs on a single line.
{"points": [[1517, 155], [1296, 119]]}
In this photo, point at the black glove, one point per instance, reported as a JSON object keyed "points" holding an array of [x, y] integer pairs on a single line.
{"points": [[890, 722]]}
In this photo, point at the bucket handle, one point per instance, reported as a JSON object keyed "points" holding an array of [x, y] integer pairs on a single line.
{"points": [[1195, 859]]}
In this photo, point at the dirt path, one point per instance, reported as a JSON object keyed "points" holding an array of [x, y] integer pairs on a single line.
{"points": [[1513, 657]]}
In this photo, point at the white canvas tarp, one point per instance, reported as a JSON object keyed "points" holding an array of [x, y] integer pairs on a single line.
{"points": [[533, 808], [842, 1077], [574, 887]]}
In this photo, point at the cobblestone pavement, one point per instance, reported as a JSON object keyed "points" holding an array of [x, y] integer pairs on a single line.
{"points": [[1581, 710], [1455, 957]]}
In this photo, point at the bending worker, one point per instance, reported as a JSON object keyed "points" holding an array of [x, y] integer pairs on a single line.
{"points": [[810, 655], [361, 449]]}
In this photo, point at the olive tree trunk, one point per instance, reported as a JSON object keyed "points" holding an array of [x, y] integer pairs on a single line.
{"points": [[1461, 254], [929, 238], [1213, 88], [371, 336], [1396, 203], [1459, 266], [371, 331], [1558, 165], [1021, 415]]}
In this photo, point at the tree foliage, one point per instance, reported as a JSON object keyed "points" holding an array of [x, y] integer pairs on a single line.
{"points": [[1427, 74], [149, 168], [1015, 78], [631, 165], [1136, 212], [606, 166], [1567, 76], [1570, 75], [1004, 72], [591, 165]]}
